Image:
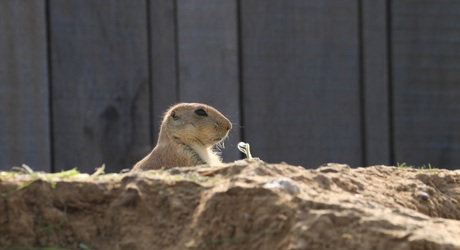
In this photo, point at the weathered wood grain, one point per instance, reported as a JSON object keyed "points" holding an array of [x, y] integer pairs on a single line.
{"points": [[100, 83], [426, 73], [376, 91], [163, 42], [208, 59], [301, 81], [24, 99], [313, 81]]}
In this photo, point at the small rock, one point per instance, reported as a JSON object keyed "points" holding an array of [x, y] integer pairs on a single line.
{"points": [[285, 184], [125, 171], [423, 196], [241, 163], [174, 171], [333, 168]]}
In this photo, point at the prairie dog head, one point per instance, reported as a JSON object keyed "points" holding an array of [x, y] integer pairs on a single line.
{"points": [[195, 124]]}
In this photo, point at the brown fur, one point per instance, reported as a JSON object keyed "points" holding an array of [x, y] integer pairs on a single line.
{"points": [[186, 138]]}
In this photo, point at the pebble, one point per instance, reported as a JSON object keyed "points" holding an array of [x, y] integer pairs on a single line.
{"points": [[285, 184]]}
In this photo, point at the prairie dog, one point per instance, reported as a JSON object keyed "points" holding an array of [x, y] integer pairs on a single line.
{"points": [[187, 134]]}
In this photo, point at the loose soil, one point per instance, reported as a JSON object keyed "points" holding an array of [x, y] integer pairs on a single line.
{"points": [[243, 205]]}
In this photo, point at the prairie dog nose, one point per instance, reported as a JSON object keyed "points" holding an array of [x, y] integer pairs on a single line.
{"points": [[228, 125]]}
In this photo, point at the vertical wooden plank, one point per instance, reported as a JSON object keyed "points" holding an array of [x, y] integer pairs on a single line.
{"points": [[208, 59], [426, 73], [163, 43], [301, 81], [376, 82], [24, 106], [100, 83]]}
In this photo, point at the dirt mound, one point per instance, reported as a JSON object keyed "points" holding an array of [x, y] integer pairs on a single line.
{"points": [[238, 206]]}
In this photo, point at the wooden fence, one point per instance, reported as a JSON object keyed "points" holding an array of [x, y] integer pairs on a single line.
{"points": [[84, 82]]}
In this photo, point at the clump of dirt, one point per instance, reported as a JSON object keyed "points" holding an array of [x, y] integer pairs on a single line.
{"points": [[243, 205]]}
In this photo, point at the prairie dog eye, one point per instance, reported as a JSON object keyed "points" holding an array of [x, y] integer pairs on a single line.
{"points": [[174, 116], [201, 112]]}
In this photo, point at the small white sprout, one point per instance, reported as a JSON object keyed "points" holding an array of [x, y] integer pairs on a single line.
{"points": [[100, 170], [245, 149], [23, 169]]}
